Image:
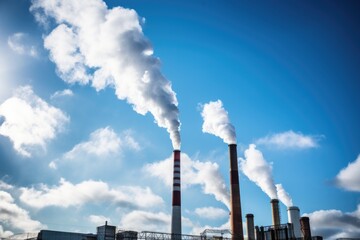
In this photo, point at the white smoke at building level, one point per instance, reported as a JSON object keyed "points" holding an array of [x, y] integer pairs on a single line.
{"points": [[92, 44], [216, 122]]}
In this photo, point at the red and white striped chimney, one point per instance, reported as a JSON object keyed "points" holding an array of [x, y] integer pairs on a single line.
{"points": [[176, 198], [235, 204]]}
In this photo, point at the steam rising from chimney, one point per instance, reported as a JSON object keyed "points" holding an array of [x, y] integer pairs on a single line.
{"points": [[255, 167], [284, 197], [216, 122], [92, 44], [258, 170]]}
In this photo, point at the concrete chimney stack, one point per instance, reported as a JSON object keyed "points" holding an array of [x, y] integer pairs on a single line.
{"points": [[250, 228], [235, 205], [305, 228], [176, 198], [294, 219], [275, 212]]}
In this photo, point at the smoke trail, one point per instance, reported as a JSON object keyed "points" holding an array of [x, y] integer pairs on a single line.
{"points": [[284, 197], [216, 121], [255, 167], [93, 44]]}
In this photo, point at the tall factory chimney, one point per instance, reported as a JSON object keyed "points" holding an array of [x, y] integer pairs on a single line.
{"points": [[294, 219], [250, 226], [275, 212], [235, 205], [305, 228], [176, 198]]}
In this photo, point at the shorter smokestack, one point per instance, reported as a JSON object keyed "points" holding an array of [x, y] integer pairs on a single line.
{"points": [[305, 228], [275, 212], [257, 232], [250, 226], [294, 219]]}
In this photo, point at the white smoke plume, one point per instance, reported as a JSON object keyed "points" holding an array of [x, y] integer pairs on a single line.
{"points": [[258, 170], [216, 121], [92, 44], [284, 197]]}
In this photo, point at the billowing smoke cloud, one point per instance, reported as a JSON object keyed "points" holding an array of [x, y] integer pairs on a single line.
{"points": [[216, 121], [258, 170], [93, 44], [284, 197], [255, 167]]}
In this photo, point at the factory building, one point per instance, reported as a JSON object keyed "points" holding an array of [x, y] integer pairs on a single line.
{"points": [[57, 235], [296, 228]]}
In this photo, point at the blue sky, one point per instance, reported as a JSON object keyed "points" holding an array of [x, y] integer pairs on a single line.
{"points": [[90, 91]]}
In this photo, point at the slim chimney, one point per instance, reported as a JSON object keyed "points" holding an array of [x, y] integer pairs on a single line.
{"points": [[250, 226], [275, 212], [294, 219], [305, 228], [176, 198], [235, 205]]}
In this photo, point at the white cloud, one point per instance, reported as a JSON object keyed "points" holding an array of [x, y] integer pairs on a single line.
{"points": [[334, 224], [99, 220], [349, 177], [67, 194], [53, 165], [258, 170], [216, 122], [128, 141], [16, 217], [197, 229], [146, 221], [205, 174], [289, 140], [30, 121], [103, 142], [5, 233], [92, 44], [21, 44], [63, 93], [5, 186], [211, 212]]}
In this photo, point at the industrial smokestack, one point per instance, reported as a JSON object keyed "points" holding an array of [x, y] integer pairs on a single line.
{"points": [[275, 212], [294, 219], [305, 228], [250, 226], [235, 205], [176, 198]]}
